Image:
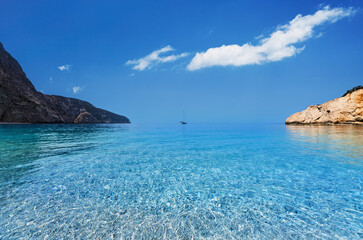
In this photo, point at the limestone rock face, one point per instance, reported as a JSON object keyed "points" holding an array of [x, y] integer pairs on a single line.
{"points": [[344, 110], [20, 102], [85, 117]]}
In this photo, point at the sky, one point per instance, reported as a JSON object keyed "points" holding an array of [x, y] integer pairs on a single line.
{"points": [[218, 61]]}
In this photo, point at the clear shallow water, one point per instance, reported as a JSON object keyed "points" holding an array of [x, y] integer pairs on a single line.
{"points": [[181, 182]]}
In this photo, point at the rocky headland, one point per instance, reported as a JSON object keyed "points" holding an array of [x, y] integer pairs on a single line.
{"points": [[20, 102], [347, 109]]}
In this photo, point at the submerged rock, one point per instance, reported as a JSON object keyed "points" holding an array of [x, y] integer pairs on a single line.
{"points": [[20, 102], [347, 109]]}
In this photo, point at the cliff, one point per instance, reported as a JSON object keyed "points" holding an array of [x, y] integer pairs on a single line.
{"points": [[20, 102], [347, 109]]}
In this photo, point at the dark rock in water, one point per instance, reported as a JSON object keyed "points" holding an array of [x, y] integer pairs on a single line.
{"points": [[21, 102]]}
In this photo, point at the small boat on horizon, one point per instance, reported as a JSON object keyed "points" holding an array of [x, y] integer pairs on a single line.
{"points": [[183, 121]]}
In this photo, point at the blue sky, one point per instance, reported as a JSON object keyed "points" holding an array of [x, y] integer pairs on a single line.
{"points": [[269, 68]]}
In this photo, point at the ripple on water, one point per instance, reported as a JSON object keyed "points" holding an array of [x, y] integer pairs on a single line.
{"points": [[120, 182]]}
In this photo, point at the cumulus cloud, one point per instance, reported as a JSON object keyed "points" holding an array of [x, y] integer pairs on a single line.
{"points": [[155, 58], [76, 89], [277, 46], [64, 67]]}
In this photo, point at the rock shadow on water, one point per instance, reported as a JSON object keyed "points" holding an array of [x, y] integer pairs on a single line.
{"points": [[23, 146]]}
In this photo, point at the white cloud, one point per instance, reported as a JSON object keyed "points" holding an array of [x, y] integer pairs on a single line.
{"points": [[154, 58], [76, 89], [319, 35], [277, 46], [64, 67]]}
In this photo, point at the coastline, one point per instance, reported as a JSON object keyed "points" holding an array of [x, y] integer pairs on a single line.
{"points": [[12, 123], [325, 124], [53, 123]]}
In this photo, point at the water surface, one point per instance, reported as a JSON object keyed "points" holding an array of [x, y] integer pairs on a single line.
{"points": [[181, 182]]}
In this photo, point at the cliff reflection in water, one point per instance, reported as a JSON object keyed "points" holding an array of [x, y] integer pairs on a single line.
{"points": [[23, 146], [347, 139]]}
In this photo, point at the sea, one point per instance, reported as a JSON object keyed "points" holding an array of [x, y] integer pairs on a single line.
{"points": [[194, 181]]}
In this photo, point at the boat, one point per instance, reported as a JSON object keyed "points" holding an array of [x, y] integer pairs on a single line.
{"points": [[183, 122]]}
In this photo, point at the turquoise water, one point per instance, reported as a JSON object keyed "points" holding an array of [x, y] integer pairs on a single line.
{"points": [[181, 182]]}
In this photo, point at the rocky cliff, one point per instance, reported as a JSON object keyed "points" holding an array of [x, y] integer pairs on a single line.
{"points": [[21, 102], [347, 109]]}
